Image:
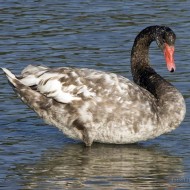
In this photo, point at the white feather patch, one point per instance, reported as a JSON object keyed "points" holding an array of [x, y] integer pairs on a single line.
{"points": [[86, 92], [30, 80], [84, 113], [53, 89]]}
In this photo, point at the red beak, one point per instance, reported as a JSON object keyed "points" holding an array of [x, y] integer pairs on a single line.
{"points": [[169, 57]]}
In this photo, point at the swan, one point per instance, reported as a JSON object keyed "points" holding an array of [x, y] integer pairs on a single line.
{"points": [[97, 106]]}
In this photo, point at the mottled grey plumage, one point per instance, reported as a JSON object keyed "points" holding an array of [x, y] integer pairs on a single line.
{"points": [[92, 105]]}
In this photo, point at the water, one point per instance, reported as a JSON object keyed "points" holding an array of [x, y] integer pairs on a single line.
{"points": [[94, 34]]}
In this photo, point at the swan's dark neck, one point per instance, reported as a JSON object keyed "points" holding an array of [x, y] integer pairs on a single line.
{"points": [[170, 105], [143, 74]]}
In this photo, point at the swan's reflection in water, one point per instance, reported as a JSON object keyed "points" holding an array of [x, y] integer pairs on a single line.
{"points": [[102, 167]]}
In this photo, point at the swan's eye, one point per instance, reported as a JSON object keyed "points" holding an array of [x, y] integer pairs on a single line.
{"points": [[169, 38]]}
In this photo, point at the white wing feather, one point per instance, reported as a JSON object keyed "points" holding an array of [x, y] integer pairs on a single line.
{"points": [[49, 84]]}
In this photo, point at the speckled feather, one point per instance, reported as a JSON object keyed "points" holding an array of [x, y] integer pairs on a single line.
{"points": [[92, 105]]}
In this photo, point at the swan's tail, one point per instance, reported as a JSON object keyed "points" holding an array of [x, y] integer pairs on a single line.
{"points": [[32, 98], [11, 77]]}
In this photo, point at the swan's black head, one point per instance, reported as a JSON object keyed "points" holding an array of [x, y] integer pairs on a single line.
{"points": [[165, 39]]}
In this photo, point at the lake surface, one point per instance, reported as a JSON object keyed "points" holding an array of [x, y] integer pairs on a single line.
{"points": [[94, 34]]}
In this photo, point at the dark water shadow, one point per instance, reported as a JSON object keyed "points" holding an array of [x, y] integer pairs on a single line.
{"points": [[101, 167]]}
